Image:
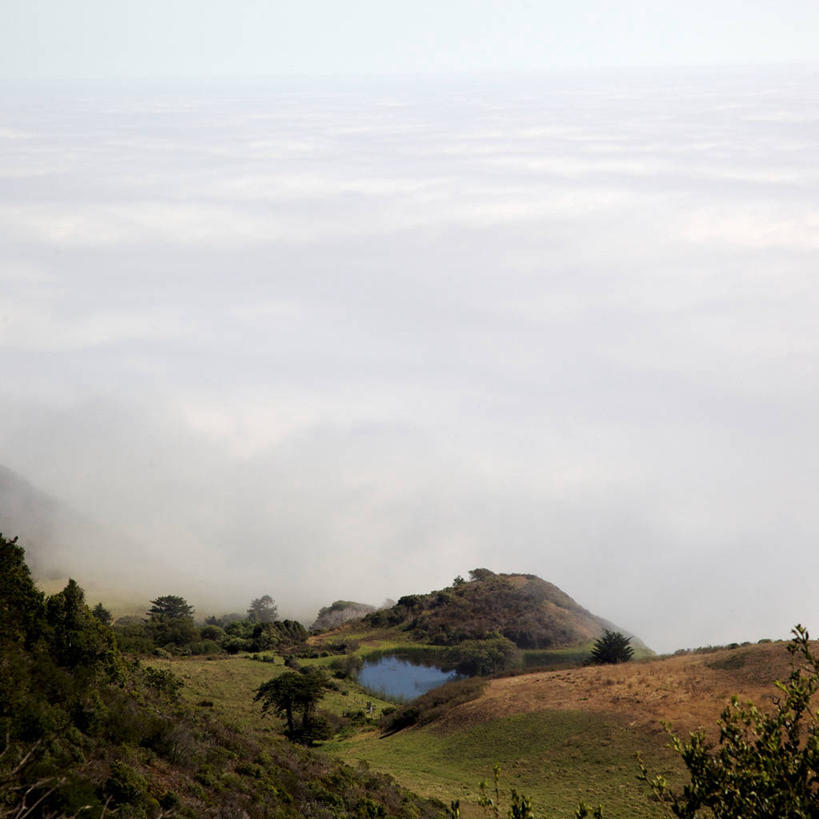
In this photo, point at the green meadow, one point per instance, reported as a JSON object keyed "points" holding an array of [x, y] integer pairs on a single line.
{"points": [[557, 758]]}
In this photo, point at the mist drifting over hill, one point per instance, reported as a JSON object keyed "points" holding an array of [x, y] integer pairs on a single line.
{"points": [[349, 339]]}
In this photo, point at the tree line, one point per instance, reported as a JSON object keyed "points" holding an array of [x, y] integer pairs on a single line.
{"points": [[169, 628]]}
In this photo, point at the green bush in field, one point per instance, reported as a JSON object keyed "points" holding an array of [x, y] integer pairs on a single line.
{"points": [[612, 647], [482, 657]]}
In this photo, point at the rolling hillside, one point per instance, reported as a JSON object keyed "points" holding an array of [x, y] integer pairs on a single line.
{"points": [[531, 612], [572, 734]]}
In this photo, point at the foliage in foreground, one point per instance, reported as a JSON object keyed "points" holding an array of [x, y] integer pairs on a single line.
{"points": [[520, 807], [83, 731], [766, 765]]}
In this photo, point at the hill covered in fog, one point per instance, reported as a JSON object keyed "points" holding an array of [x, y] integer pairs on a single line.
{"points": [[523, 608]]}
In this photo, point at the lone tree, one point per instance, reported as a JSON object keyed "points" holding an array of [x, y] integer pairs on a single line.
{"points": [[292, 692], [171, 606], [262, 610], [612, 647], [170, 620]]}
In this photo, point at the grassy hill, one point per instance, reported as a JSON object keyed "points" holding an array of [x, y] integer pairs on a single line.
{"points": [[570, 735], [528, 611]]}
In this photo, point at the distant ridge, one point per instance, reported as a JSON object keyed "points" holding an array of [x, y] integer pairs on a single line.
{"points": [[59, 541], [529, 611]]}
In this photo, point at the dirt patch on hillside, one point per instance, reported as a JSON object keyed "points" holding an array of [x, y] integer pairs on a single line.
{"points": [[688, 691]]}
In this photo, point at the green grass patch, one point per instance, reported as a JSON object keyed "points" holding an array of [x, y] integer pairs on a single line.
{"points": [[557, 758], [228, 685]]}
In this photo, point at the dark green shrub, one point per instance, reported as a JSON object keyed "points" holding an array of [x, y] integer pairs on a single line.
{"points": [[125, 784], [211, 632], [482, 657], [164, 681], [612, 647], [233, 645], [205, 647]]}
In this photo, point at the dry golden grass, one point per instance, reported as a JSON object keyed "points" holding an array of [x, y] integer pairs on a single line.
{"points": [[686, 691]]}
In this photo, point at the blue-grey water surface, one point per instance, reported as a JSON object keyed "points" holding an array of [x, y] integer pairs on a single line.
{"points": [[399, 679]]}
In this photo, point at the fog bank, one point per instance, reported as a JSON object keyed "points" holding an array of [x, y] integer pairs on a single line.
{"points": [[328, 340]]}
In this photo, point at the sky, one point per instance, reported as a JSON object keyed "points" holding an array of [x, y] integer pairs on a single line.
{"points": [[340, 305], [206, 39]]}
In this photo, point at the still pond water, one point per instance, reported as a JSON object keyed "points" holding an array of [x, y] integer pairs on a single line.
{"points": [[400, 679]]}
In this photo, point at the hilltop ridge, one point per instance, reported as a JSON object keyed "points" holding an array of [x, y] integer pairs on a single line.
{"points": [[523, 608]]}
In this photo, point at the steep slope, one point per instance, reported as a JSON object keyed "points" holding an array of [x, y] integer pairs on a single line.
{"points": [[530, 612]]}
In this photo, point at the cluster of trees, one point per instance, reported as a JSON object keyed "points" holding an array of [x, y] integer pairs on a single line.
{"points": [[68, 700], [284, 636], [169, 626], [86, 732]]}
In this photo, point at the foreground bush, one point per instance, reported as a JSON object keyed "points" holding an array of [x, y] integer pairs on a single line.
{"points": [[766, 764]]}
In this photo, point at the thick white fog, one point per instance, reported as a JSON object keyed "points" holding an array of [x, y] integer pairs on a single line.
{"points": [[349, 339]]}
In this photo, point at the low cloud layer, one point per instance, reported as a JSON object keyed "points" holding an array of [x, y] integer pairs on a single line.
{"points": [[350, 341]]}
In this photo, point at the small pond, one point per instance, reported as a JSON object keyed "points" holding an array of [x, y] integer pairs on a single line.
{"points": [[396, 678]]}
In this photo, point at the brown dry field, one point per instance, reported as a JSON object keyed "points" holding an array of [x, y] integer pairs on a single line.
{"points": [[687, 691]]}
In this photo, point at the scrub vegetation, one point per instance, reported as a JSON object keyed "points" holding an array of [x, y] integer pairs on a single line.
{"points": [[86, 731], [529, 612]]}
